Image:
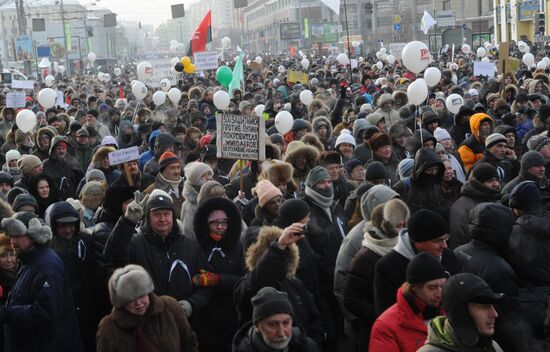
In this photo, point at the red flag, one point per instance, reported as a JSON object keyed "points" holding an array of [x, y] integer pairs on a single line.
{"points": [[202, 35]]}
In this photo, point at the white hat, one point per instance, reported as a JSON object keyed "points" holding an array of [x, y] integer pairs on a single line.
{"points": [[441, 134], [345, 137], [473, 92]]}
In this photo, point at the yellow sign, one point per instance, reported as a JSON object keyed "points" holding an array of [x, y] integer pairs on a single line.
{"points": [[298, 77], [397, 19], [512, 64]]}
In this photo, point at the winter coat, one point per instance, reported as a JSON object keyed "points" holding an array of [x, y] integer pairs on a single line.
{"points": [[41, 151], [218, 323], [299, 342], [391, 270], [328, 144], [507, 169], [83, 155], [442, 338], [188, 208], [175, 194], [401, 328], [148, 155], [65, 173], [363, 153], [472, 148], [233, 187], [342, 189], [164, 325], [145, 180], [123, 140], [171, 261], [270, 266], [5, 124], [40, 306], [472, 193]]}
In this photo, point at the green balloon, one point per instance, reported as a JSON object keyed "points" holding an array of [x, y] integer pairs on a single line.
{"points": [[224, 75]]}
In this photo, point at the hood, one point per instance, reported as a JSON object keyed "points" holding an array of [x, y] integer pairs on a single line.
{"points": [[311, 154], [313, 140], [376, 195], [419, 136], [322, 120], [492, 224], [200, 223], [440, 334], [475, 189], [122, 126], [99, 155], [425, 158], [512, 88], [475, 121], [162, 142], [384, 98], [59, 210], [152, 138], [268, 235], [41, 131], [404, 245], [359, 125], [56, 141], [5, 110]]}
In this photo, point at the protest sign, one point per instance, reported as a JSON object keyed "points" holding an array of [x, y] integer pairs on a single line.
{"points": [[512, 64], [16, 84], [206, 60], [240, 137], [162, 68], [298, 77], [484, 69], [15, 100], [123, 155]]}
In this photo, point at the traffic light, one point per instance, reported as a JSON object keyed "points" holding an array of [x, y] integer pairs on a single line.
{"points": [[541, 24]]}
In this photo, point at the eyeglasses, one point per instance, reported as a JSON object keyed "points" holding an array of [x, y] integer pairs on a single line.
{"points": [[218, 223]]}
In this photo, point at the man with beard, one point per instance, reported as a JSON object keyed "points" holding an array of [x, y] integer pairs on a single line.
{"points": [[471, 150], [271, 328]]}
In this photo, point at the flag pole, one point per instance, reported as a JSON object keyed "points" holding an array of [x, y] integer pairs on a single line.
{"points": [[349, 44]]}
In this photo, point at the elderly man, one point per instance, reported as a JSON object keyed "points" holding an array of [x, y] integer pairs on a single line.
{"points": [[271, 328]]}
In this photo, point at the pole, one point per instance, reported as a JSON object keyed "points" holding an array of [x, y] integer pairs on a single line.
{"points": [[462, 27], [347, 35], [67, 65]]}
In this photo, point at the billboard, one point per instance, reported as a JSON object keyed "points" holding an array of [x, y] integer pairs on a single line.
{"points": [[324, 32], [290, 31], [23, 48], [57, 47]]}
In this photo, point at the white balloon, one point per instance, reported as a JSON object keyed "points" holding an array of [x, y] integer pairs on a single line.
{"points": [[361, 59], [92, 57], [488, 46], [139, 90], [221, 99], [117, 71], [46, 97], [466, 49], [378, 55], [528, 59], [481, 52], [106, 77], [383, 57], [165, 84], [25, 120], [390, 59], [49, 80], [454, 102], [174, 95], [432, 76], [145, 69], [281, 69], [259, 109], [159, 97], [173, 42], [283, 122], [379, 65], [61, 68], [305, 63], [416, 56], [226, 42], [173, 49], [486, 59], [542, 64], [174, 61], [417, 92], [258, 60], [343, 59], [306, 97], [355, 44], [383, 50]]}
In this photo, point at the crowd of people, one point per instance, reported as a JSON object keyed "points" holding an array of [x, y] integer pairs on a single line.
{"points": [[372, 225]]}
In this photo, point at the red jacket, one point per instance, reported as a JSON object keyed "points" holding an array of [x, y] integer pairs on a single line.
{"points": [[399, 329]]}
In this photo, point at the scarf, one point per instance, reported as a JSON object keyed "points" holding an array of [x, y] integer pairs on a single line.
{"points": [[324, 201], [174, 185], [376, 241], [141, 339]]}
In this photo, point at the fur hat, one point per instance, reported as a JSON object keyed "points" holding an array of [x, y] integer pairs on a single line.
{"points": [[15, 226], [278, 172], [100, 154], [295, 148], [312, 139], [379, 140], [92, 194], [28, 162], [329, 158], [129, 283], [396, 211]]}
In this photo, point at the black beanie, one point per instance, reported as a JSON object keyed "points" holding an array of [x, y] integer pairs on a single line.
{"points": [[530, 159], [425, 267], [425, 225], [484, 172], [268, 301], [526, 195], [293, 210], [375, 171]]}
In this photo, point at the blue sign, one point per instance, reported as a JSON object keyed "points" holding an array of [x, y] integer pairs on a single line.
{"points": [[397, 27]]}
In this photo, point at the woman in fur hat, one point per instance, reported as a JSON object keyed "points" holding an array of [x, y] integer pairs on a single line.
{"points": [[303, 158], [141, 320]]}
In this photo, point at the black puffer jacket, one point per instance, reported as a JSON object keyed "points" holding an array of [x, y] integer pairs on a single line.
{"points": [[472, 193], [65, 173], [218, 323]]}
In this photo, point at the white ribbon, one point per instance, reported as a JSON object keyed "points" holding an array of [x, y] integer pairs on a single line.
{"points": [[183, 265], [214, 250], [340, 226], [81, 250]]}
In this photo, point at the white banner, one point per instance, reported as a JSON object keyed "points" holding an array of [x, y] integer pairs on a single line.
{"points": [[22, 84], [15, 100], [162, 68], [484, 69], [206, 60]]}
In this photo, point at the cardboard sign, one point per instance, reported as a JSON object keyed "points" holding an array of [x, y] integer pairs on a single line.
{"points": [[15, 100], [162, 68], [484, 69], [298, 77], [512, 64], [504, 52], [240, 137], [206, 60], [123, 155], [22, 84]]}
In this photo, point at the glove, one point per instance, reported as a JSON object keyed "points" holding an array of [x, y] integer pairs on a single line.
{"points": [[134, 212], [187, 308], [206, 279]]}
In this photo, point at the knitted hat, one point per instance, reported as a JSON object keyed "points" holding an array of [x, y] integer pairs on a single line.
{"points": [[293, 210], [375, 171], [82, 132], [534, 143], [159, 199], [299, 124], [166, 159], [12, 155], [425, 225], [379, 140], [344, 137], [532, 158], [92, 194], [441, 134], [525, 195], [484, 172], [211, 189], [491, 97], [194, 172], [95, 175], [28, 162], [6, 178], [109, 140], [26, 223], [424, 267], [405, 168], [317, 174], [352, 164], [129, 283], [24, 199], [267, 302], [266, 191], [494, 139]]}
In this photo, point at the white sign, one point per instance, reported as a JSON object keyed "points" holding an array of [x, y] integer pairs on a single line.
{"points": [[206, 60], [353, 63], [123, 155], [396, 49], [15, 100], [162, 68], [240, 137], [22, 84], [59, 100], [484, 69], [445, 18]]}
